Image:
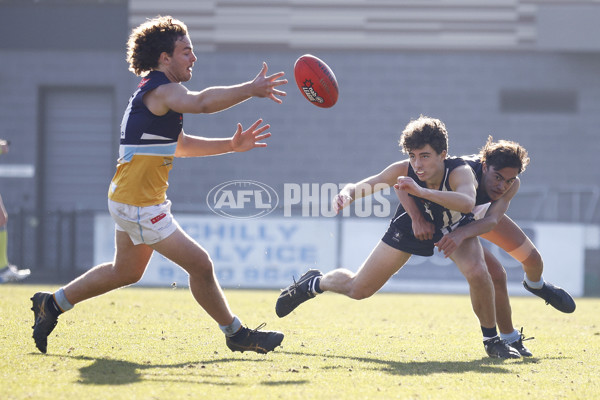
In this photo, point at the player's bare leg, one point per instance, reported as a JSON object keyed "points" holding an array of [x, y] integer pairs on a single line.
{"points": [[127, 268], [185, 252], [502, 302], [470, 261], [383, 262], [501, 299], [509, 236]]}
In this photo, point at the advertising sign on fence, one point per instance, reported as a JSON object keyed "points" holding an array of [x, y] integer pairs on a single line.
{"points": [[247, 253], [268, 252]]}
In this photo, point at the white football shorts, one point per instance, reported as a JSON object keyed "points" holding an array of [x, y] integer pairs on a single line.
{"points": [[146, 225]]}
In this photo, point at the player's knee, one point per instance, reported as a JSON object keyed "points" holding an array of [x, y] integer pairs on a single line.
{"points": [[202, 269], [132, 276], [360, 293], [476, 273]]}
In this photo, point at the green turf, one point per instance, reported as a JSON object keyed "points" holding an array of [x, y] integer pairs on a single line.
{"points": [[158, 344]]}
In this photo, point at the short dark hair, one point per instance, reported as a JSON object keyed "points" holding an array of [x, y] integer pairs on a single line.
{"points": [[149, 40], [424, 131], [503, 154]]}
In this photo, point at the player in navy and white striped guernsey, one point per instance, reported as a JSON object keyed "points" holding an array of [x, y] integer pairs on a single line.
{"points": [[445, 191], [443, 220]]}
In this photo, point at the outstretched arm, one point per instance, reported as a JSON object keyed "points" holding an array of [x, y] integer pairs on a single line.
{"points": [[370, 185], [176, 97], [242, 140]]}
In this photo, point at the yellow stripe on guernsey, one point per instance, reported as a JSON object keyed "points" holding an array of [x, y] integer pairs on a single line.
{"points": [[142, 176]]}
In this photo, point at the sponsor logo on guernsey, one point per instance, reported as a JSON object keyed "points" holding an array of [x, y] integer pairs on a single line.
{"points": [[143, 82], [158, 218]]}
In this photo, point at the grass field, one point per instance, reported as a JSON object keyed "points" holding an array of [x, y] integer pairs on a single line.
{"points": [[158, 344]]}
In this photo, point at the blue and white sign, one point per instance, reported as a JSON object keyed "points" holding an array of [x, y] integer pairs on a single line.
{"points": [[268, 252], [562, 247], [252, 253]]}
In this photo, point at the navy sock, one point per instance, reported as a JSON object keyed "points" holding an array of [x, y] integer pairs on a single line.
{"points": [[489, 333]]}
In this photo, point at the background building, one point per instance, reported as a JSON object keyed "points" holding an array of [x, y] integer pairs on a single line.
{"points": [[523, 70]]}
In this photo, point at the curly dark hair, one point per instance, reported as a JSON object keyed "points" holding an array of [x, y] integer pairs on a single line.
{"points": [[503, 154], [149, 40], [424, 131]]}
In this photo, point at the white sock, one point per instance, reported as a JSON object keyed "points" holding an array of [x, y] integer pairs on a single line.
{"points": [[534, 285], [62, 301], [510, 337], [231, 329]]}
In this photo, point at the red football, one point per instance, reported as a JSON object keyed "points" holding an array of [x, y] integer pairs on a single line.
{"points": [[316, 81]]}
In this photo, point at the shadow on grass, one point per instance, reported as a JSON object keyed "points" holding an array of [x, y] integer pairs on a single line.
{"points": [[483, 366], [107, 371]]}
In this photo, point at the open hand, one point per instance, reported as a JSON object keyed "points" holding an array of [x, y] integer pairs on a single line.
{"points": [[264, 86], [244, 140]]}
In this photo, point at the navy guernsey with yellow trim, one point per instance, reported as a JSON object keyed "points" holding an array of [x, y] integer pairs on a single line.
{"points": [[146, 149]]}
